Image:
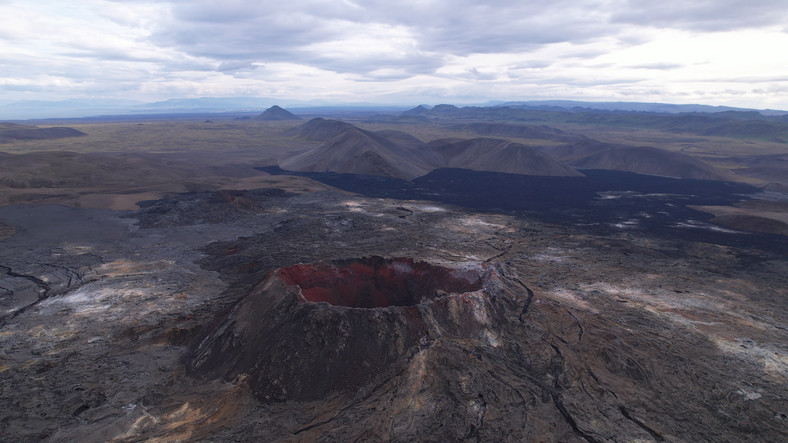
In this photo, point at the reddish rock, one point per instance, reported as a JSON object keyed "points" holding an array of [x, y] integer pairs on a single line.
{"points": [[378, 283]]}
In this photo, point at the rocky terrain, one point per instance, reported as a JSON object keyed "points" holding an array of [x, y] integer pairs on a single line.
{"points": [[159, 283], [119, 326]]}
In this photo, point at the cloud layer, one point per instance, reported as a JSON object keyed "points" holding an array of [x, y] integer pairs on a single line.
{"points": [[708, 51]]}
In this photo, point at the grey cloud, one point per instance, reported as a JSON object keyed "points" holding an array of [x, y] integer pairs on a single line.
{"points": [[516, 29], [236, 65], [747, 79], [475, 75], [409, 64], [24, 88], [537, 64], [480, 76], [646, 92], [279, 36], [246, 30], [256, 39], [585, 82], [188, 65], [702, 15], [5, 35], [777, 89], [111, 55], [466, 27], [244, 38], [657, 66], [374, 77]]}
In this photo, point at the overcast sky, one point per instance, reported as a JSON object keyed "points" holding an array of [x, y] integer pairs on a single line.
{"points": [[719, 52]]}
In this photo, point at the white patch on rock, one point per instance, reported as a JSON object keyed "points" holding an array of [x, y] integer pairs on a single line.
{"points": [[492, 338], [430, 209], [749, 395]]}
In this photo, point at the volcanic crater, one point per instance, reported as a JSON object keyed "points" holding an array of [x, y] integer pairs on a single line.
{"points": [[378, 283], [309, 330]]}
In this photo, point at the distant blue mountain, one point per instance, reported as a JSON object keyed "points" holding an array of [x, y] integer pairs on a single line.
{"points": [[75, 107], [89, 107], [662, 108]]}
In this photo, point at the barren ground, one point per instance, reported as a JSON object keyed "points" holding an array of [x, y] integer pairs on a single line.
{"points": [[620, 337]]}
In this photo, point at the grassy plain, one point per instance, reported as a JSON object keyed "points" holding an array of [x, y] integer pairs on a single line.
{"points": [[118, 164]]}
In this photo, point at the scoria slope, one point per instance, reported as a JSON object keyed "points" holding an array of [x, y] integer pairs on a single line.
{"points": [[319, 129], [495, 155], [536, 132], [648, 160], [356, 151]]}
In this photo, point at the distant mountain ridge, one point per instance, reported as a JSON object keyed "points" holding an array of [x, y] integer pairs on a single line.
{"points": [[661, 108], [738, 124], [83, 107]]}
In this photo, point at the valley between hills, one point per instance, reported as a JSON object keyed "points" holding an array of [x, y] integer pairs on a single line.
{"points": [[443, 274]]}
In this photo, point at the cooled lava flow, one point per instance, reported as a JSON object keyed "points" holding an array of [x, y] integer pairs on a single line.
{"points": [[378, 283]]}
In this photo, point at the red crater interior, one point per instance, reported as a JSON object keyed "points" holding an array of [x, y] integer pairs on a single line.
{"points": [[377, 282]]}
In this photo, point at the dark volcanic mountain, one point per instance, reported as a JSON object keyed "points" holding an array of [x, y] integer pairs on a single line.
{"points": [[435, 111], [275, 113], [520, 131], [495, 155], [444, 109], [576, 151], [357, 151], [10, 132], [771, 168], [398, 154], [401, 138], [648, 160], [417, 111], [348, 149], [320, 129]]}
